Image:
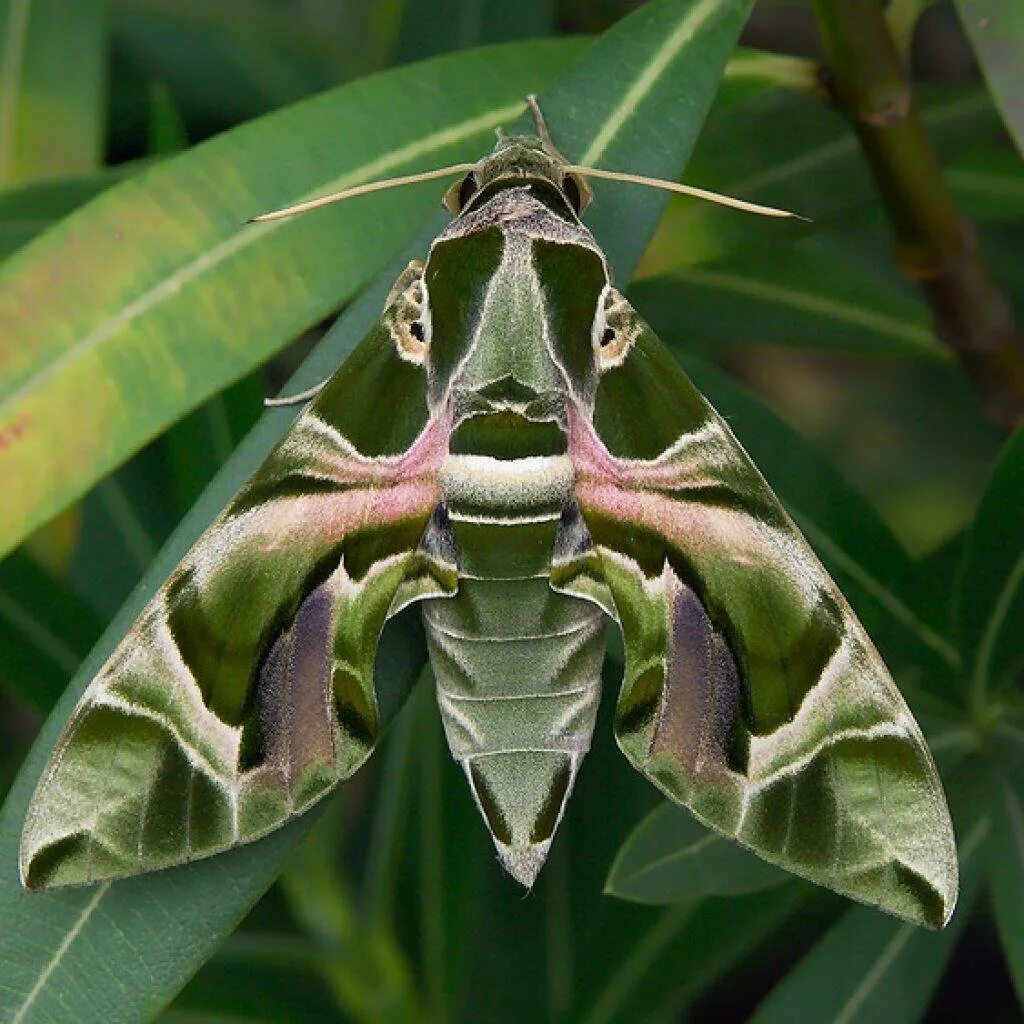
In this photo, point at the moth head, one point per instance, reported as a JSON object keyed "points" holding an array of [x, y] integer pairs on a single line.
{"points": [[517, 159]]}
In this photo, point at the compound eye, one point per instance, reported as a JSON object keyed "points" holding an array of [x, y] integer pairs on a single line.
{"points": [[572, 192], [467, 190], [607, 338]]}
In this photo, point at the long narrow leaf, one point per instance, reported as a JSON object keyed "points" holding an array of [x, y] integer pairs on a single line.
{"points": [[52, 85], [670, 858], [815, 297], [990, 595], [191, 297], [996, 31], [45, 632], [28, 210], [438, 26], [787, 167], [1007, 879], [870, 967]]}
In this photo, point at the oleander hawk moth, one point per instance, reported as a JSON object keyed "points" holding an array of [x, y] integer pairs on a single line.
{"points": [[512, 449]]}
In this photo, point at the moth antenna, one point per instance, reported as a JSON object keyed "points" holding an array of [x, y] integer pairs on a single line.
{"points": [[362, 190], [302, 396], [686, 190], [538, 120]]}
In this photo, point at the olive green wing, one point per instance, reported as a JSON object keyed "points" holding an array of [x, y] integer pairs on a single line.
{"points": [[245, 691], [752, 695]]}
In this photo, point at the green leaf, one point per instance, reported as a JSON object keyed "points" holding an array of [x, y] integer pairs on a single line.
{"points": [[818, 296], [166, 129], [45, 632], [670, 858], [996, 31], [869, 564], [438, 26], [787, 169], [1006, 874], [52, 85], [869, 967], [202, 442], [123, 521], [990, 595], [222, 68], [713, 937], [118, 953], [192, 297], [988, 183], [673, 60], [371, 979], [259, 978], [28, 210]]}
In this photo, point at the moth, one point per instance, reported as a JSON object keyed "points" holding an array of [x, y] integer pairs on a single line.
{"points": [[513, 450]]}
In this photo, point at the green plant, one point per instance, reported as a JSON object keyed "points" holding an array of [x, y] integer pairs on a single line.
{"points": [[138, 307]]}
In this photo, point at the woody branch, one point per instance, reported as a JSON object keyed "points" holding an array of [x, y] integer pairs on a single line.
{"points": [[936, 248]]}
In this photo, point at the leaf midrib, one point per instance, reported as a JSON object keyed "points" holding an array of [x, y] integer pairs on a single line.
{"points": [[59, 953], [679, 854], [905, 932], [812, 302], [993, 627], [685, 29]]}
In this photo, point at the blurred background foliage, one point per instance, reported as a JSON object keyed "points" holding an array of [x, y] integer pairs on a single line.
{"points": [[811, 341]]}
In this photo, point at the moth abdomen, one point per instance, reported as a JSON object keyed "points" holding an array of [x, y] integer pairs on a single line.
{"points": [[517, 664]]}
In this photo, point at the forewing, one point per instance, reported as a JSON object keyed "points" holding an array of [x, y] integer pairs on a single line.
{"points": [[245, 690], [752, 694]]}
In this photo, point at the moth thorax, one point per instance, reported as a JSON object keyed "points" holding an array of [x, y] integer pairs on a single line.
{"points": [[482, 488]]}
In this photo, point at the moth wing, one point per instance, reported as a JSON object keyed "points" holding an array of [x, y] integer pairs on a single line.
{"points": [[245, 690], [752, 695]]}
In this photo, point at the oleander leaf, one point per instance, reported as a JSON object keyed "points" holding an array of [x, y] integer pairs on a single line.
{"points": [[670, 858], [820, 296], [786, 169], [52, 89], [1006, 873], [866, 967], [990, 590], [45, 632], [988, 183], [996, 31], [437, 26], [192, 297], [28, 210]]}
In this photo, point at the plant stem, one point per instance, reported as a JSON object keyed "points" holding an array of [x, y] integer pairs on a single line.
{"points": [[936, 248]]}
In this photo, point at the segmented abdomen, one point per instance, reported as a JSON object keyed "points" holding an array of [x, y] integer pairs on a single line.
{"points": [[517, 664]]}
